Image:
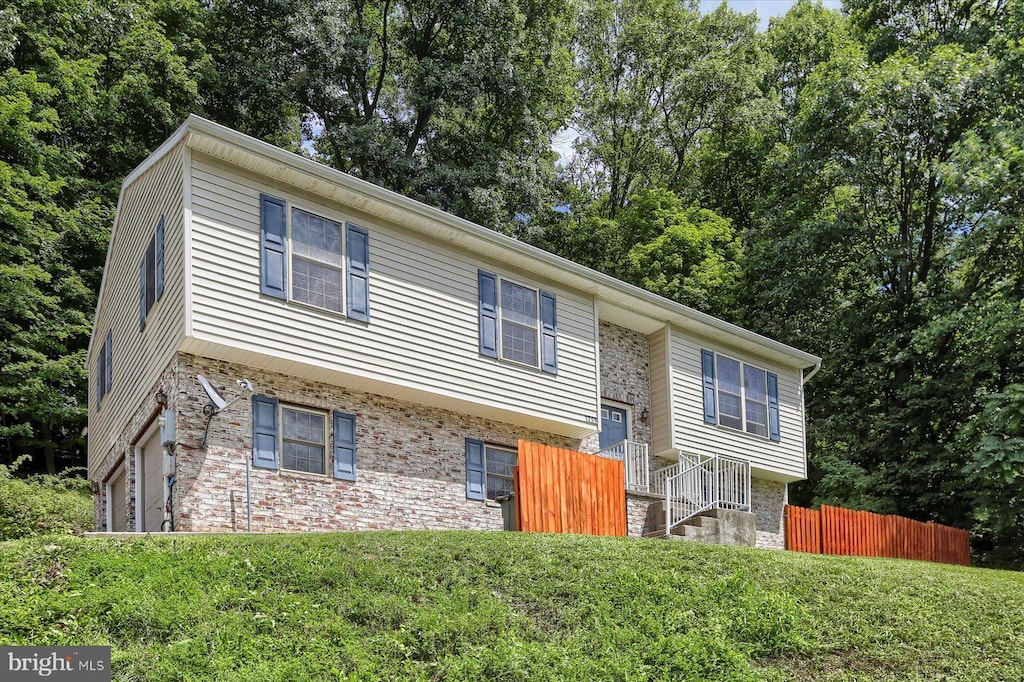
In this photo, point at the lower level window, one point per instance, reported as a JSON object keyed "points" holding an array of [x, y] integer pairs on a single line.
{"points": [[498, 465], [303, 440]]}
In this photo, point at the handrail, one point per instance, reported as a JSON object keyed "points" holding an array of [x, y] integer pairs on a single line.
{"points": [[703, 482], [636, 458]]}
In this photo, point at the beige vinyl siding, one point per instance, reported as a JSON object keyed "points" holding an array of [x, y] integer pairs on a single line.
{"points": [[422, 339], [138, 356], [661, 396], [783, 460]]}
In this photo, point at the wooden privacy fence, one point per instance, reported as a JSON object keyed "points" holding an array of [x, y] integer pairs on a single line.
{"points": [[834, 530], [564, 491]]}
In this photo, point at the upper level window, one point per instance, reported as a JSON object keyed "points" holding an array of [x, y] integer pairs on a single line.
{"points": [[104, 368], [151, 273], [517, 322], [316, 260], [740, 396], [328, 267]]}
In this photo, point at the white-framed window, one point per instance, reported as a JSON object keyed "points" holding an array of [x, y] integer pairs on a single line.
{"points": [[519, 323], [316, 260], [298, 438], [303, 440], [740, 396], [755, 400], [311, 259], [498, 465]]}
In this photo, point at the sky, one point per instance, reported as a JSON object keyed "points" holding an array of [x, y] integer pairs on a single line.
{"points": [[765, 9]]}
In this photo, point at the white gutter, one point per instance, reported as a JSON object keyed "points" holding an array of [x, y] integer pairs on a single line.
{"points": [[804, 378]]}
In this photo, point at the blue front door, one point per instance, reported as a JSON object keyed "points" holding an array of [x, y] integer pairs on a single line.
{"points": [[614, 428]]}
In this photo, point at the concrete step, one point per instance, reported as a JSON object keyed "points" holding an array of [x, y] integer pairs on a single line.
{"points": [[737, 528]]}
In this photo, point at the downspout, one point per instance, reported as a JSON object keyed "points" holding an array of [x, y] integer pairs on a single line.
{"points": [[803, 413]]}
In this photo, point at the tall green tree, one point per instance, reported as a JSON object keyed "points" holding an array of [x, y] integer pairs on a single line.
{"points": [[86, 90], [657, 79], [453, 103]]}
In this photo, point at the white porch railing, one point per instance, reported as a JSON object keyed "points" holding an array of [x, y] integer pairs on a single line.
{"points": [[702, 482], [636, 457]]}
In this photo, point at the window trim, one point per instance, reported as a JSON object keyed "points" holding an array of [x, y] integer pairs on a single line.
{"points": [[276, 274], [742, 397], [536, 326], [325, 445], [487, 472], [290, 257]]}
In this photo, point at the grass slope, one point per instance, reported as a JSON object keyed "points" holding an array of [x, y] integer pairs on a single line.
{"points": [[505, 606]]}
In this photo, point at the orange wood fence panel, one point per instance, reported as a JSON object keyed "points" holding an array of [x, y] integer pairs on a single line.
{"points": [[803, 530], [564, 491], [834, 530]]}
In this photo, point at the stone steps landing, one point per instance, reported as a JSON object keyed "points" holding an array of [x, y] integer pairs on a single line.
{"points": [[715, 527]]}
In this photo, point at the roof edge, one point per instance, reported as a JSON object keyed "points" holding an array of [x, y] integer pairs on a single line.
{"points": [[600, 280]]}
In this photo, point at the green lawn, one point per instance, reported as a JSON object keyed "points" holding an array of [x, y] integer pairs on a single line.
{"points": [[505, 606]]}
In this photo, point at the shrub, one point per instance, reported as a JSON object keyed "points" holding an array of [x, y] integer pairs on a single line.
{"points": [[43, 504]]}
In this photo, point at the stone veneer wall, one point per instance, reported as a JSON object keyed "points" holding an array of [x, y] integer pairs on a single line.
{"points": [[769, 499], [637, 505], [123, 447], [410, 461], [625, 377], [410, 458]]}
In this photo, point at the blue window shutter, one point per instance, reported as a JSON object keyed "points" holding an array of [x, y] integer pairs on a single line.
{"points": [[475, 488], [548, 333], [773, 407], [345, 446], [708, 366], [273, 228], [160, 258], [142, 293], [488, 293], [108, 362], [357, 252], [100, 364], [264, 432]]}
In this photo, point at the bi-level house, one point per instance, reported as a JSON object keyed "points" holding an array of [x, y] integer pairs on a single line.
{"points": [[395, 355]]}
